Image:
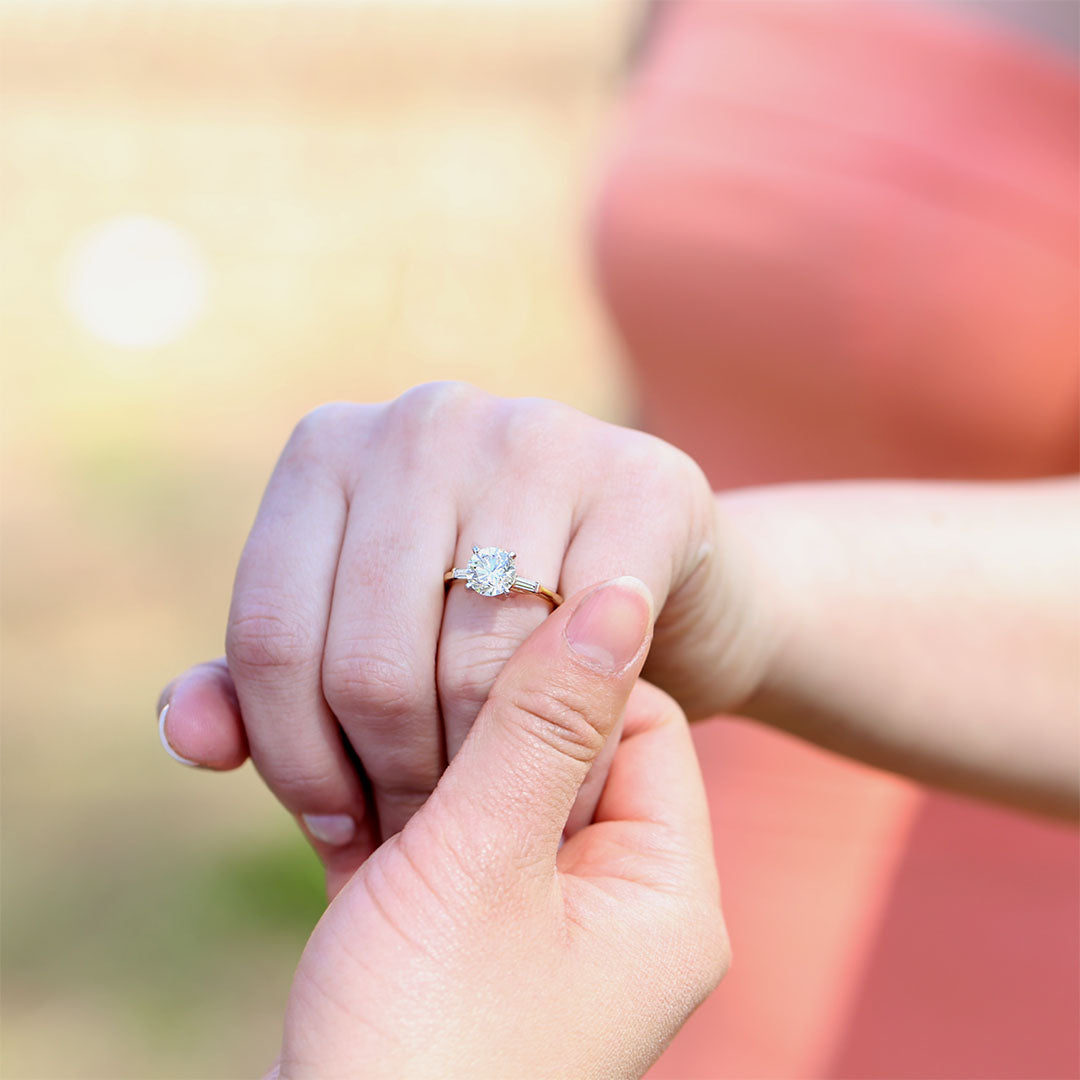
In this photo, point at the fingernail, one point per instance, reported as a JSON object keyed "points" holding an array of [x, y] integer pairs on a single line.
{"points": [[165, 742], [610, 624], [336, 829]]}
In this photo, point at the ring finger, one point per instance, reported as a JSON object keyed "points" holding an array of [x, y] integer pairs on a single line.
{"points": [[479, 632]]}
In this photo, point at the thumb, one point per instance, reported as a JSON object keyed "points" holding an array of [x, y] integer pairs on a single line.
{"points": [[559, 697]]}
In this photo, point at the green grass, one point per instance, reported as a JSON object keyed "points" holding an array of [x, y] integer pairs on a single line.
{"points": [[182, 950]]}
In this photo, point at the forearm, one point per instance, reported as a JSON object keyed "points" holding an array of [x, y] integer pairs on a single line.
{"points": [[927, 628]]}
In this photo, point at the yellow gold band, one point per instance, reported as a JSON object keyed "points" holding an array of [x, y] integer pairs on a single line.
{"points": [[491, 572], [519, 585]]}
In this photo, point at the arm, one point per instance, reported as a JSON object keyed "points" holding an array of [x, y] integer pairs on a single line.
{"points": [[927, 628]]}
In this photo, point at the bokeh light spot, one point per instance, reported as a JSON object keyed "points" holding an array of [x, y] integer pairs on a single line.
{"points": [[135, 281]]}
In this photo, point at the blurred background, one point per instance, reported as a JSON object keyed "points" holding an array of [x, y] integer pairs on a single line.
{"points": [[216, 216], [835, 238]]}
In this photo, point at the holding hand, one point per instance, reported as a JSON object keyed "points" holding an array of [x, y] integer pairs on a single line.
{"points": [[470, 944]]}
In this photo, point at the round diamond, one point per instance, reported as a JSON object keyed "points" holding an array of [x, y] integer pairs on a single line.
{"points": [[490, 571]]}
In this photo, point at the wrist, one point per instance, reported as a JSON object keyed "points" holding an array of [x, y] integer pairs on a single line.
{"points": [[789, 576], [752, 594], [717, 644]]}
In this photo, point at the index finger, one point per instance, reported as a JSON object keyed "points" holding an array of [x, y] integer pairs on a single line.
{"points": [[655, 778]]}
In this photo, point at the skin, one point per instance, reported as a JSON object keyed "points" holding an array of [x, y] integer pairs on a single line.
{"points": [[932, 629], [595, 952], [927, 628], [340, 623]]}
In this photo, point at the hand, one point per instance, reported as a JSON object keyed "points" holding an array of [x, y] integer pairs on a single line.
{"points": [[340, 652], [470, 944]]}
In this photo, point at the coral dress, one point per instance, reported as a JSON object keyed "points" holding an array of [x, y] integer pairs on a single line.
{"points": [[840, 240]]}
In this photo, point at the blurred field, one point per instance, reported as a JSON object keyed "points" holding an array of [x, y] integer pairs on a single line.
{"points": [[370, 196]]}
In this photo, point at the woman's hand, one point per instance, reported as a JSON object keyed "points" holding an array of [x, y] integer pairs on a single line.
{"points": [[470, 944], [345, 650]]}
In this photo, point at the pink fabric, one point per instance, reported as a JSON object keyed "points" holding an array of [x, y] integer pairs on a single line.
{"points": [[839, 240]]}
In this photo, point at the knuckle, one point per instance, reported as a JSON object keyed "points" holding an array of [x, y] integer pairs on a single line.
{"points": [[560, 718], [534, 430], [300, 784], [314, 427], [264, 639], [404, 771], [467, 672], [422, 404], [682, 480], [430, 420], [327, 437], [537, 414], [647, 470], [680, 472], [378, 686], [407, 772], [652, 462]]}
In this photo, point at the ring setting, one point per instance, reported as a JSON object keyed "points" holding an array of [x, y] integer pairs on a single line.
{"points": [[492, 571]]}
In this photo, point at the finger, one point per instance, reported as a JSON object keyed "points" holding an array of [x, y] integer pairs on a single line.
{"points": [[670, 552], [199, 718], [614, 538], [480, 633], [655, 778], [513, 783], [379, 668], [199, 724], [274, 644], [652, 825], [584, 808]]}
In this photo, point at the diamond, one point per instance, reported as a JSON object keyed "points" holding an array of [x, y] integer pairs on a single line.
{"points": [[490, 571]]}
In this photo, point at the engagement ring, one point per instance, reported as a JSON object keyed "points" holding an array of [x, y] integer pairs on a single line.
{"points": [[491, 572]]}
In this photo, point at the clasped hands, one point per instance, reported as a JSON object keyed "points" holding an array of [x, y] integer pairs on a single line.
{"points": [[513, 825]]}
